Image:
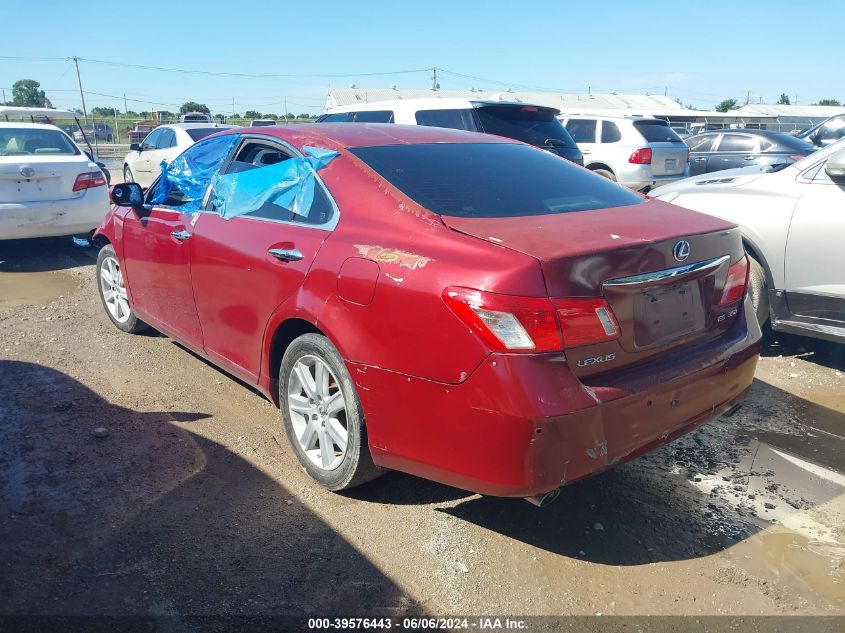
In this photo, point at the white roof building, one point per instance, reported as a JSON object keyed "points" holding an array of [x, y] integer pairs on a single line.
{"points": [[566, 102]]}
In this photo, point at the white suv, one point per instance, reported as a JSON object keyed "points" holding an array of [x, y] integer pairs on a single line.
{"points": [[636, 151], [532, 124]]}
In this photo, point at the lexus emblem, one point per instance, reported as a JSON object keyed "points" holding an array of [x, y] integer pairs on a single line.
{"points": [[27, 172], [681, 250]]}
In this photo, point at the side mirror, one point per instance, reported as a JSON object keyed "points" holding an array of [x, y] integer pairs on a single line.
{"points": [[835, 166], [134, 147], [128, 194]]}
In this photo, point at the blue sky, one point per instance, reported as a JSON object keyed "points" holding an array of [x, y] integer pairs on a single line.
{"points": [[701, 52]]}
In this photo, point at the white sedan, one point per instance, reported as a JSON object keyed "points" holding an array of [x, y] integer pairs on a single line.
{"points": [[48, 187], [793, 224], [143, 162]]}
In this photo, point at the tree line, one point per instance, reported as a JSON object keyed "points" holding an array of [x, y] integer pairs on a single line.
{"points": [[27, 93]]}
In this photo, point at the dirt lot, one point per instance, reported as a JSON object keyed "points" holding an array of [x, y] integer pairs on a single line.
{"points": [[194, 504]]}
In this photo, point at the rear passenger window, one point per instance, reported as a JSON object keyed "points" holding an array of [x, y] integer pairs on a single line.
{"points": [[736, 143], [456, 119], [167, 139], [610, 132], [701, 143], [340, 117], [582, 130], [374, 116]]}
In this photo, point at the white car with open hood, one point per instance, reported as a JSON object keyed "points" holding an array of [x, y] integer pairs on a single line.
{"points": [[792, 218], [48, 186]]}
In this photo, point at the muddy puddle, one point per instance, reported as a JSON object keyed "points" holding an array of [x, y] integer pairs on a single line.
{"points": [[31, 288]]}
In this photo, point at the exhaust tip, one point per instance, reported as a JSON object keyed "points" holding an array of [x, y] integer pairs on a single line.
{"points": [[541, 501]]}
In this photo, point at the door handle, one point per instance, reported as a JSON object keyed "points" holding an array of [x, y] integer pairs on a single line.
{"points": [[699, 160], [181, 235], [749, 158], [586, 151], [286, 254]]}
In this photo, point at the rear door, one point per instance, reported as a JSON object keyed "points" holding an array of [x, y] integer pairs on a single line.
{"points": [[245, 267], [815, 259], [669, 153], [734, 150], [140, 165], [701, 148]]}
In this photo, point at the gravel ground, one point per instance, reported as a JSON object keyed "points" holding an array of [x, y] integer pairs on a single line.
{"points": [[135, 478]]}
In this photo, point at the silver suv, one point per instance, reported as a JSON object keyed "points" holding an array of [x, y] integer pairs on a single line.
{"points": [[636, 151]]}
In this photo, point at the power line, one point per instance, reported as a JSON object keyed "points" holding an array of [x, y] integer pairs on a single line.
{"points": [[251, 75]]}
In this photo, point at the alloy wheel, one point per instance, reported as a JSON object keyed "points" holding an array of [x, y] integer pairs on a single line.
{"points": [[317, 410], [114, 290]]}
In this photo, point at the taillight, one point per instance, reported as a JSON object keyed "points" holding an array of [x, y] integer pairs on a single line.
{"points": [[641, 156], [586, 321], [509, 323], [735, 283], [796, 158], [688, 154], [91, 179]]}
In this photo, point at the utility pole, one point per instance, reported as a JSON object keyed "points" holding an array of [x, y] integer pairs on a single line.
{"points": [[233, 105], [665, 91], [4, 96], [747, 97], [796, 100], [286, 109], [81, 94], [434, 78], [125, 107]]}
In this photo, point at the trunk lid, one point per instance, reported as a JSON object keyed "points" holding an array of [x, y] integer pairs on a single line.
{"points": [[669, 153], [625, 255], [41, 178], [668, 159]]}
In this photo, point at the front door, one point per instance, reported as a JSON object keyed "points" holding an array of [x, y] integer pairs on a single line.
{"points": [[157, 244], [245, 267]]}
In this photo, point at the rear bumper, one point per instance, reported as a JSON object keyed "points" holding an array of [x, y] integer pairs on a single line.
{"points": [[54, 218], [642, 184], [523, 425]]}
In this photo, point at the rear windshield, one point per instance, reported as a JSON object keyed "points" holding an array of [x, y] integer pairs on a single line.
{"points": [[33, 141], [529, 124], [788, 143], [489, 180], [655, 131], [201, 132]]}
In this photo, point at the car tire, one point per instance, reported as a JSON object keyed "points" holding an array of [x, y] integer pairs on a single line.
{"points": [[112, 290], [758, 290], [322, 414], [127, 174], [606, 173]]}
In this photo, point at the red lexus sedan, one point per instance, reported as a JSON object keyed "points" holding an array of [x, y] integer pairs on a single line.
{"points": [[463, 307]]}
